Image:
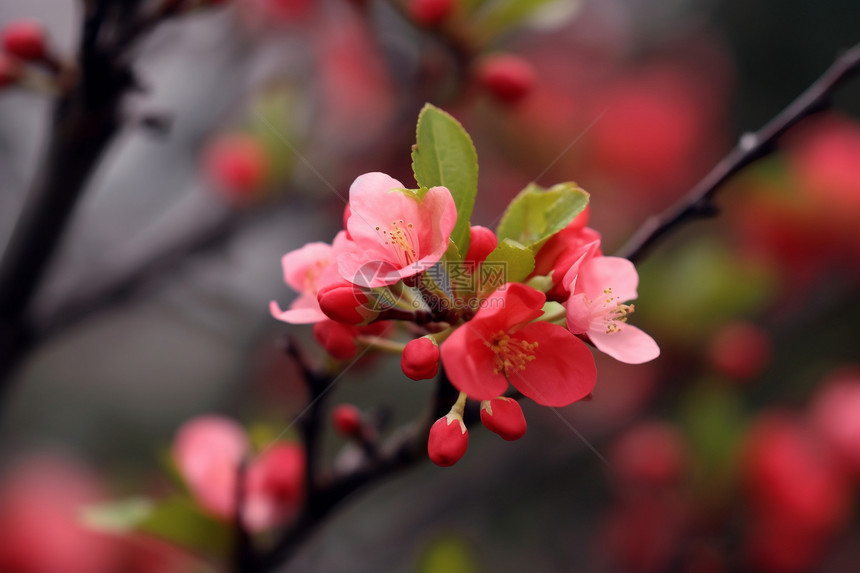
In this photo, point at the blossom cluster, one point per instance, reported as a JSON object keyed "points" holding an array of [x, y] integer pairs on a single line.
{"points": [[395, 261]]}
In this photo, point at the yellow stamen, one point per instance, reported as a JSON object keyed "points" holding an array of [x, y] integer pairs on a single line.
{"points": [[512, 354]]}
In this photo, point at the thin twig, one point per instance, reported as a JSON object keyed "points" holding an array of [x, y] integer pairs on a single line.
{"points": [[751, 147]]}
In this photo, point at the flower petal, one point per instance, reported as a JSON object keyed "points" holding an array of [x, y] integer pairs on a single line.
{"points": [[304, 310], [627, 344], [578, 313], [563, 370], [601, 273], [301, 266], [469, 364], [512, 304]]}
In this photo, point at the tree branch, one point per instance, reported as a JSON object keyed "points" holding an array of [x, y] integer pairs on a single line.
{"points": [[751, 147]]}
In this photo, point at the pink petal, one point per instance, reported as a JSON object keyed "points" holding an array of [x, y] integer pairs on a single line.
{"points": [[512, 304], [469, 364], [600, 273], [373, 203], [627, 344], [578, 314], [207, 451], [304, 310], [310, 259], [563, 370], [437, 217]]}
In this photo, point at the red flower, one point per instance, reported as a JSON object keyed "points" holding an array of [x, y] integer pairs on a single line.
{"points": [[501, 344]]}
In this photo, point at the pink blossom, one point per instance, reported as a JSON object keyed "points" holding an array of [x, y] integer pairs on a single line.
{"points": [[501, 344], [308, 271], [396, 235], [209, 451], [600, 287]]}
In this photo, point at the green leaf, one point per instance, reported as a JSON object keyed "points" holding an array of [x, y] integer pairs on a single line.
{"points": [[536, 213], [500, 16], [179, 521], [509, 262], [444, 155], [119, 516]]}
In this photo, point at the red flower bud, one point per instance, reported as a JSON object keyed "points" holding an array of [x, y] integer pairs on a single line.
{"points": [[238, 164], [740, 350], [448, 441], [25, 39], [10, 70], [283, 472], [346, 419], [651, 453], [420, 360], [338, 339], [507, 77], [482, 241], [504, 417], [431, 12], [344, 303]]}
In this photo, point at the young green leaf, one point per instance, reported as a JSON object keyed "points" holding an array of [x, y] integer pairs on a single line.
{"points": [[444, 155], [536, 214], [509, 262]]}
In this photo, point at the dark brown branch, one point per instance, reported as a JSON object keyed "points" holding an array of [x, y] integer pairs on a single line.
{"points": [[751, 147], [404, 449], [86, 118]]}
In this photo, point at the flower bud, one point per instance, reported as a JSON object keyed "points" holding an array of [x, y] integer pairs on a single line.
{"points": [[346, 419], [482, 241], [504, 417], [507, 77], [338, 339], [651, 453], [448, 440], [420, 360], [24, 39], [740, 350], [344, 303], [275, 484], [239, 165], [431, 12]]}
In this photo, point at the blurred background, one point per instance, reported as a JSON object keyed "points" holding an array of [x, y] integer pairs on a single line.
{"points": [[737, 450]]}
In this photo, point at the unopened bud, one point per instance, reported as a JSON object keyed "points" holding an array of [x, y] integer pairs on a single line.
{"points": [[344, 303], [338, 339], [448, 440], [507, 77], [346, 419], [482, 242], [504, 417], [420, 360], [24, 39], [239, 165], [431, 12]]}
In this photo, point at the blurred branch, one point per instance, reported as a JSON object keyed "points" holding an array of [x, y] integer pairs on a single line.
{"points": [[86, 117], [751, 147], [405, 448]]}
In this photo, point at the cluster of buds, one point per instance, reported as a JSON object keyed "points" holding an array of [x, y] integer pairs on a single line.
{"points": [[392, 263]]}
